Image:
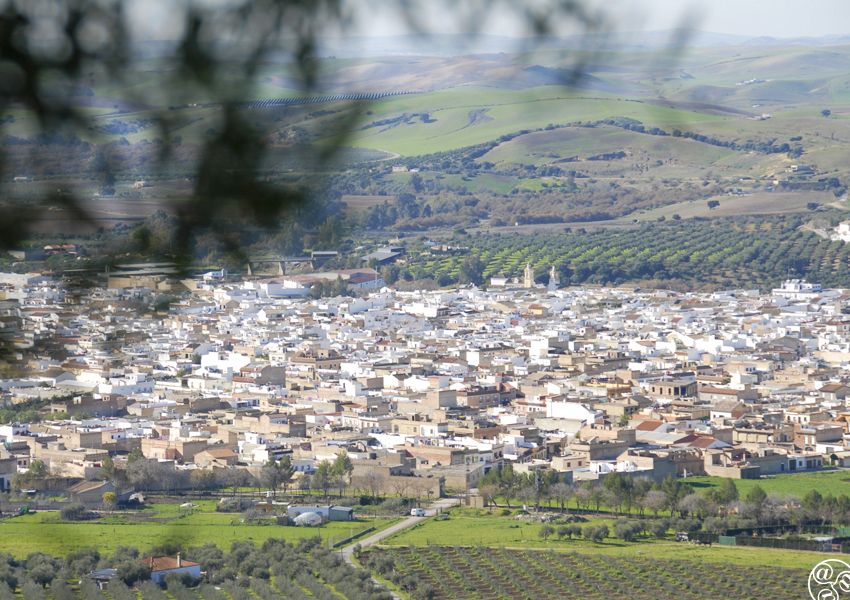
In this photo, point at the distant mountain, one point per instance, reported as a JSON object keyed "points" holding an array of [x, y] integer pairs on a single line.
{"points": [[459, 44], [826, 40], [446, 45]]}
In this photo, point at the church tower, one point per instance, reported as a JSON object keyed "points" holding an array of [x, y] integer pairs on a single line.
{"points": [[528, 277], [554, 280]]}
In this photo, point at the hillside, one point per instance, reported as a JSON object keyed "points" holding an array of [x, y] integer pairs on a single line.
{"points": [[500, 140]]}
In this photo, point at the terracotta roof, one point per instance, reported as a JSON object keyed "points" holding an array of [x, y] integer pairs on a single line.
{"points": [[718, 390], [166, 563], [649, 425], [703, 442]]}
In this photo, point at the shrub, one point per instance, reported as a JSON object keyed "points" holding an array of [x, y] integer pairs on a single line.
{"points": [[627, 530], [89, 591], [41, 568], [82, 561], [32, 591], [166, 549], [118, 590], [131, 572], [151, 591], [60, 590], [596, 533], [73, 512], [425, 592], [5, 592], [177, 582], [659, 528], [689, 525], [575, 530]]}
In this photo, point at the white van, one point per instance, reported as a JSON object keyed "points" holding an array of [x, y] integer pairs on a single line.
{"points": [[417, 512]]}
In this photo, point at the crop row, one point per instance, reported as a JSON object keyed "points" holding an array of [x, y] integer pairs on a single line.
{"points": [[701, 253], [492, 574]]}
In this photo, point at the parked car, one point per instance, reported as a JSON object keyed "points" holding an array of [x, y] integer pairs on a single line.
{"points": [[417, 512]]}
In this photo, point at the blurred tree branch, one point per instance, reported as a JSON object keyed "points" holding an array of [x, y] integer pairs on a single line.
{"points": [[217, 57]]}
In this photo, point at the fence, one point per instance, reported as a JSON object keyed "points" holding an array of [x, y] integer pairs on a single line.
{"points": [[336, 543], [783, 529], [12, 507], [784, 544]]}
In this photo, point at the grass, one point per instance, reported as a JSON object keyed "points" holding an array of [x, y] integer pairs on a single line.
{"points": [[508, 111], [483, 530], [798, 484], [470, 528], [549, 146], [39, 532], [833, 482], [753, 204]]}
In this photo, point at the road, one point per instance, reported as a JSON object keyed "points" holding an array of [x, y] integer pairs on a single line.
{"points": [[434, 509]]}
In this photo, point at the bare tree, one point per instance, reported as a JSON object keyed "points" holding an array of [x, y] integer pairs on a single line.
{"points": [[694, 505], [420, 487], [582, 496], [253, 514], [92, 32], [141, 473], [202, 479], [400, 484], [597, 496], [375, 482], [561, 493], [237, 478], [527, 495], [170, 478], [655, 500], [59, 468], [488, 493]]}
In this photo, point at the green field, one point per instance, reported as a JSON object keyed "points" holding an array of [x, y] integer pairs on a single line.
{"points": [[504, 532], [487, 531], [508, 111], [41, 532], [752, 204], [798, 484]]}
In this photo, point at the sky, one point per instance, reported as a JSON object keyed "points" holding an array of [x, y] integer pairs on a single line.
{"points": [[775, 18], [162, 19]]}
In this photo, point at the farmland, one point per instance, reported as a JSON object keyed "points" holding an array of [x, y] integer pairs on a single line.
{"points": [[363, 202], [43, 532], [798, 484], [763, 203], [489, 573], [755, 253], [638, 145], [268, 571], [494, 531]]}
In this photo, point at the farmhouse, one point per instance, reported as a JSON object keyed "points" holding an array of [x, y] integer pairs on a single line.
{"points": [[161, 566]]}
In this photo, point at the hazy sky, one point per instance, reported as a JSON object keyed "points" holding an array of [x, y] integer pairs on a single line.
{"points": [[162, 19], [776, 18]]}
